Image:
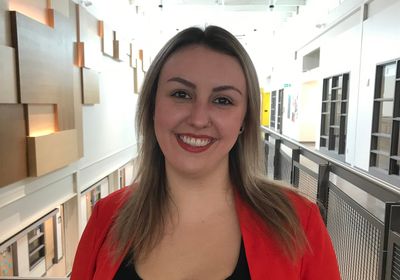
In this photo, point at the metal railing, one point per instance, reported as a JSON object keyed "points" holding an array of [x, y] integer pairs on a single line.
{"points": [[362, 213]]}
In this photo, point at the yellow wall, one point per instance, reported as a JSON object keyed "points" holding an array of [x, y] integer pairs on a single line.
{"points": [[265, 107]]}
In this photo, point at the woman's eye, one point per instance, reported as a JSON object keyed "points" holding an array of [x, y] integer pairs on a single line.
{"points": [[222, 101], [180, 94]]}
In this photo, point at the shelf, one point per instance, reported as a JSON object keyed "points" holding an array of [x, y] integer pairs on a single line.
{"points": [[36, 263], [396, 119], [384, 135], [395, 158], [336, 88], [325, 113], [325, 137], [383, 99], [386, 154], [334, 126], [343, 115], [35, 237], [36, 250]]}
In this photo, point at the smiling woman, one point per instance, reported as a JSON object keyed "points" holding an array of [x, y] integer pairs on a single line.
{"points": [[199, 110], [200, 207]]}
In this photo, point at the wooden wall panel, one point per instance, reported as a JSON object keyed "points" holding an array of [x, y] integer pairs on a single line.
{"points": [[42, 119], [107, 39], [5, 33], [90, 86], [135, 80], [68, 111], [121, 47], [36, 9], [50, 152], [8, 80], [89, 36], [44, 58], [13, 163]]}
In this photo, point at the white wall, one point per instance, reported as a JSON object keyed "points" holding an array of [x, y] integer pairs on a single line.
{"points": [[23, 260], [380, 44], [340, 53], [109, 142]]}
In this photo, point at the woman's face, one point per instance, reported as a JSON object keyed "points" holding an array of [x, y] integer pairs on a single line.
{"points": [[200, 106]]}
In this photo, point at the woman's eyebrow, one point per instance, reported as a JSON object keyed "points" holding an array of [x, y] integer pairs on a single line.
{"points": [[227, 87], [193, 86], [182, 81]]}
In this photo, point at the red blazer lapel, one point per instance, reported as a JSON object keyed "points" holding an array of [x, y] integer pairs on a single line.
{"points": [[264, 255]]}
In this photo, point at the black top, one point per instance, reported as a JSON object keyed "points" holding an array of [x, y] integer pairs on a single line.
{"points": [[241, 272]]}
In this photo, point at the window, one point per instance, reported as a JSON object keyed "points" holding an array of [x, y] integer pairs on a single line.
{"points": [[276, 110], [273, 109], [36, 246], [334, 114], [385, 145]]}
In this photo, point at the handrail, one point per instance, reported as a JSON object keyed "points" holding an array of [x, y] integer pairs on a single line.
{"points": [[388, 188], [31, 278]]}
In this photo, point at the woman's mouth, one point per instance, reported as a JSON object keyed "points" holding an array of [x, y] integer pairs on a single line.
{"points": [[195, 143]]}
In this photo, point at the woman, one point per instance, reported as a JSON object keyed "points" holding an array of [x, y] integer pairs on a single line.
{"points": [[200, 207]]}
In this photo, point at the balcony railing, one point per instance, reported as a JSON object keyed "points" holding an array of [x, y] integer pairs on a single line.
{"points": [[362, 213]]}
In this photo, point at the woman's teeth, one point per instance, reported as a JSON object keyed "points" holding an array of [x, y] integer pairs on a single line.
{"points": [[197, 142]]}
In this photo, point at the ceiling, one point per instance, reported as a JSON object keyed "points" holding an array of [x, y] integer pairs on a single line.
{"points": [[283, 9], [241, 17]]}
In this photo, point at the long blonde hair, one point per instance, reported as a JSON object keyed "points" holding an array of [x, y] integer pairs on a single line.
{"points": [[140, 223]]}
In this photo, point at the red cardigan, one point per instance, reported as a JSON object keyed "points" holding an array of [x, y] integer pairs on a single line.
{"points": [[264, 256]]}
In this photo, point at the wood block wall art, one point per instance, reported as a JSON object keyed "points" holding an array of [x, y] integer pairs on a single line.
{"points": [[53, 151], [42, 119], [90, 86], [8, 80], [121, 47], [132, 57], [135, 80], [44, 59], [45, 84], [13, 163], [36, 10], [5, 34], [107, 39], [89, 39]]}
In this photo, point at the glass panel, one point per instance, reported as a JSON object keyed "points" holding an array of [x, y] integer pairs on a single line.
{"points": [[382, 162], [339, 94], [323, 142], [388, 80], [335, 132], [326, 124], [340, 81], [337, 113], [344, 107], [383, 144], [385, 117]]}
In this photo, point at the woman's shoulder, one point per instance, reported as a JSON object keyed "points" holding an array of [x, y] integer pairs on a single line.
{"points": [[114, 201], [304, 207]]}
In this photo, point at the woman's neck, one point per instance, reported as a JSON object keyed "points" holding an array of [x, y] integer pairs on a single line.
{"points": [[196, 197]]}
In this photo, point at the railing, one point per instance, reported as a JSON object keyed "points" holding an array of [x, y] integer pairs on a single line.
{"points": [[32, 278], [362, 213]]}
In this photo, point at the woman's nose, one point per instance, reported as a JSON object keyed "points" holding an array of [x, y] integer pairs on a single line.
{"points": [[200, 115]]}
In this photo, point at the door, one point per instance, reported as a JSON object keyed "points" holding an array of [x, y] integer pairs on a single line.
{"points": [[265, 108]]}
